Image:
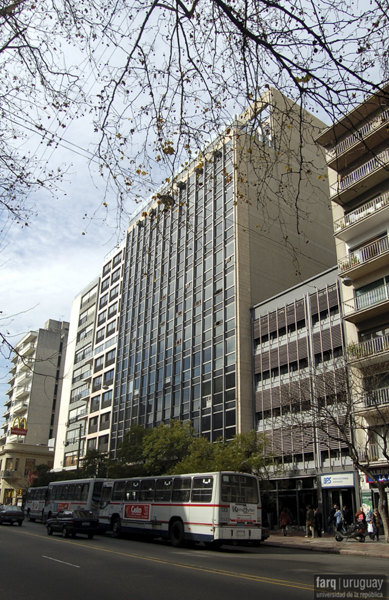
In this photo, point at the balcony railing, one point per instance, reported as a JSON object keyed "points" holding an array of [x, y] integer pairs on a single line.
{"points": [[368, 348], [372, 453], [366, 300], [364, 254], [376, 397], [361, 133], [362, 212], [350, 179]]}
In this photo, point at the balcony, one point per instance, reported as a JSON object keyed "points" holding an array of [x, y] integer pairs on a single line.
{"points": [[376, 398], [377, 348], [22, 391], [362, 219], [373, 453], [371, 173], [28, 349], [364, 138], [367, 305], [359, 262], [20, 407]]}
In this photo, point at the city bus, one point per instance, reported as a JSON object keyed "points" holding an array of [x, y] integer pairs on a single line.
{"points": [[76, 494], [216, 508], [35, 502]]}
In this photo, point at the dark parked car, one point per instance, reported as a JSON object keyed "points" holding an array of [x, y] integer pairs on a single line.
{"points": [[11, 514], [70, 522]]}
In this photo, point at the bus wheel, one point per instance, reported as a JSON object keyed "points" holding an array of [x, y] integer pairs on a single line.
{"points": [[177, 536], [116, 528]]}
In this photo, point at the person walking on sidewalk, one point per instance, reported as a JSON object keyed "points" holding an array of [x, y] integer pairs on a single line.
{"points": [[376, 524], [318, 522], [309, 522], [285, 520]]}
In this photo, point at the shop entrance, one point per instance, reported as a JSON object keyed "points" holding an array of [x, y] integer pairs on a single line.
{"points": [[341, 497]]}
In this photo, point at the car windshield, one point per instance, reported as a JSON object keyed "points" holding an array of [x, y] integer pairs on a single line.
{"points": [[83, 514]]}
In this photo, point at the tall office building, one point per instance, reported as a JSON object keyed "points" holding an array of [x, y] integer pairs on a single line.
{"points": [[235, 227], [31, 411], [358, 161]]}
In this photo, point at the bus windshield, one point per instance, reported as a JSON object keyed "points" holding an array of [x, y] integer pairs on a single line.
{"points": [[239, 488]]}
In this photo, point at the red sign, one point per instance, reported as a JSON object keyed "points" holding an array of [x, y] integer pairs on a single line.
{"points": [[140, 512], [18, 431]]}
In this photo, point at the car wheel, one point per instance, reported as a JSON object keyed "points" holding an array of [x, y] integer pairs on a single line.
{"points": [[65, 532], [49, 530], [177, 535], [90, 536], [116, 528]]}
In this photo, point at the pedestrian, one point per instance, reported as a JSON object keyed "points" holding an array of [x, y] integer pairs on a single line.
{"points": [[309, 522], [285, 520], [331, 519], [318, 522], [347, 516], [377, 524], [360, 516], [338, 516]]}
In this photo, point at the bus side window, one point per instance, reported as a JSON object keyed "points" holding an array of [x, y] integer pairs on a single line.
{"points": [[181, 489], [132, 491], [77, 492], [202, 489], [106, 493], [146, 493], [163, 489], [84, 492], [70, 495], [118, 491]]}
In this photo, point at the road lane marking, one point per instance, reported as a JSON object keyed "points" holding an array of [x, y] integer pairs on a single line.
{"points": [[246, 576], [61, 561]]}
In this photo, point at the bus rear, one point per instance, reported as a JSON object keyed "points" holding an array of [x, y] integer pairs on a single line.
{"points": [[238, 517]]}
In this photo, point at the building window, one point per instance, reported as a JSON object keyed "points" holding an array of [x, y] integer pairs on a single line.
{"points": [[110, 357], [111, 328], [115, 276], [99, 363], [106, 269], [103, 301], [102, 318], [112, 310], [100, 335], [84, 333], [114, 293], [97, 383], [108, 377], [89, 296]]}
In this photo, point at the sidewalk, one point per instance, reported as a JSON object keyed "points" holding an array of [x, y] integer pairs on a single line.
{"points": [[327, 543]]}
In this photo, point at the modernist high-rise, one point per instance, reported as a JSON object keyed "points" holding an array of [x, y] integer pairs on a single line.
{"points": [[358, 160], [237, 226], [31, 411]]}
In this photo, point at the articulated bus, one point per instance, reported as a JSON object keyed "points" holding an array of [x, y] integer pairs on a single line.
{"points": [[76, 494], [215, 508], [35, 502]]}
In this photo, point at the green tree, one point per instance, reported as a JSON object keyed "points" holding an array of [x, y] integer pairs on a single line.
{"points": [[94, 464], [165, 446], [200, 457]]}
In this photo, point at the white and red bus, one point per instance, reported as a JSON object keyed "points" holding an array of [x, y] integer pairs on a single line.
{"points": [[76, 494], [215, 508], [35, 502]]}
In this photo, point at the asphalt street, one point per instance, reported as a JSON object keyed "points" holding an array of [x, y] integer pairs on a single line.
{"points": [[36, 566]]}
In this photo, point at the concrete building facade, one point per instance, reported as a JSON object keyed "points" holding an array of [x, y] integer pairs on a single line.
{"points": [[299, 371], [32, 408], [358, 164]]}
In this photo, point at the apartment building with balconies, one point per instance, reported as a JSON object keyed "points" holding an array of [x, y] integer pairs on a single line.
{"points": [[32, 408], [358, 165]]}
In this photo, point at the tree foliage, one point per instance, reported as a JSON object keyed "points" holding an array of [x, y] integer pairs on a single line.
{"points": [[155, 80]]}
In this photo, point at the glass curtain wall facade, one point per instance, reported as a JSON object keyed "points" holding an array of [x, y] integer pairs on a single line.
{"points": [[176, 343]]}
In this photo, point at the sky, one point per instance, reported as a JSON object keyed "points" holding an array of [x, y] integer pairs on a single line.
{"points": [[45, 265]]}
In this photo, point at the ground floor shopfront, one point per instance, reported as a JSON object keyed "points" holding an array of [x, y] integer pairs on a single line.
{"points": [[321, 490]]}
